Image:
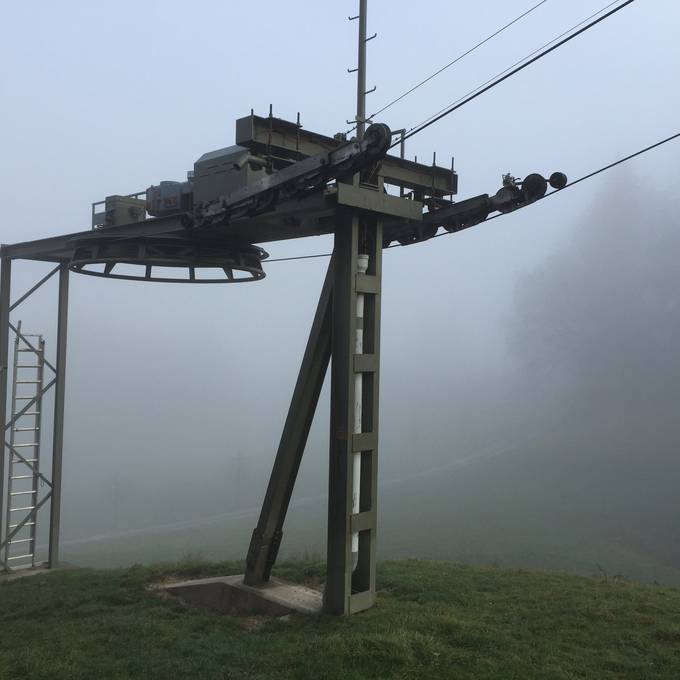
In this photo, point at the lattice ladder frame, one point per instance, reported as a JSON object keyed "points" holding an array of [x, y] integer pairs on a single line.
{"points": [[24, 470]]}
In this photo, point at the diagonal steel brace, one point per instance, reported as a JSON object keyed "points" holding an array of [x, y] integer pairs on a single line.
{"points": [[266, 538], [23, 522]]}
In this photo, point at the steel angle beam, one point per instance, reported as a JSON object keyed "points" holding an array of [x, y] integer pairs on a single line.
{"points": [[58, 426], [266, 538], [289, 141], [379, 202], [29, 465], [5, 281], [30, 403], [30, 345], [32, 290]]}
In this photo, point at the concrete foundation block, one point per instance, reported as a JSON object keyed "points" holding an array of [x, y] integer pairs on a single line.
{"points": [[228, 594]]}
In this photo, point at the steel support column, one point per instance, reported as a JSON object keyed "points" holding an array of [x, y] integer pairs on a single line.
{"points": [[350, 590], [5, 283], [58, 436], [266, 538]]}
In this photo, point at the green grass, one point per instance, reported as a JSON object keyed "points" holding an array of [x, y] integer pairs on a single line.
{"points": [[432, 620]]}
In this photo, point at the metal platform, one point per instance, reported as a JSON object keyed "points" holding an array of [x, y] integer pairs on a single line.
{"points": [[312, 215]]}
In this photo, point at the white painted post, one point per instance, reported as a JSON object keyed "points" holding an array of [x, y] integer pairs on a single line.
{"points": [[362, 267]]}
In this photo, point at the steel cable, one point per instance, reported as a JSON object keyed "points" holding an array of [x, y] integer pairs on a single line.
{"points": [[455, 61], [511, 70]]}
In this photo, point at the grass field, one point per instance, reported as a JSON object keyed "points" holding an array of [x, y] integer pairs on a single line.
{"points": [[432, 620]]}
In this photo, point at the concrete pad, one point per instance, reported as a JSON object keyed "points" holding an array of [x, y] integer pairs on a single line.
{"points": [[228, 594], [32, 571]]}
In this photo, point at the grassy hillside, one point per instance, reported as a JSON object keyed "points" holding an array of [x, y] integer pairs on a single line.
{"points": [[433, 620], [582, 507]]}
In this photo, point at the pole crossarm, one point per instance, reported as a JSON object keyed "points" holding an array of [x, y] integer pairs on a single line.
{"points": [[23, 522], [30, 292]]}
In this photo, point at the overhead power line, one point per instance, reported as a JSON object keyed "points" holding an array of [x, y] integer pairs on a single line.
{"points": [[519, 61], [552, 193], [615, 163], [533, 57], [456, 60], [298, 257]]}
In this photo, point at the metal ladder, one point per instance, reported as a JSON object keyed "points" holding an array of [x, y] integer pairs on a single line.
{"points": [[24, 454]]}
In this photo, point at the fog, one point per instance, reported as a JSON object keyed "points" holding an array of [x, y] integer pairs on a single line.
{"points": [[530, 369]]}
